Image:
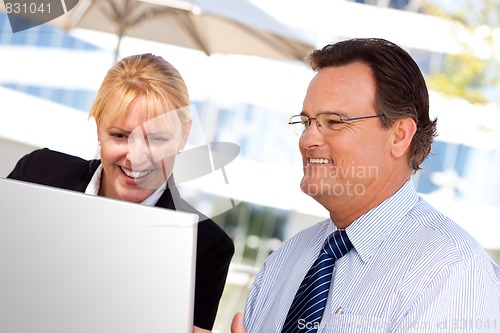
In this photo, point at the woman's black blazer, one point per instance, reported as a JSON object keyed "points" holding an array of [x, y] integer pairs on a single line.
{"points": [[214, 247]]}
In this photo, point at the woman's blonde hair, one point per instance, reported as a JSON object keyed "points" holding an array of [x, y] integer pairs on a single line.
{"points": [[160, 85]]}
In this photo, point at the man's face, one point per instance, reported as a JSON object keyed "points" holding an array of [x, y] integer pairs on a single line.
{"points": [[353, 163], [138, 154]]}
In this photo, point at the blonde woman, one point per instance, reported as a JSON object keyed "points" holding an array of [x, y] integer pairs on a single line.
{"points": [[143, 121]]}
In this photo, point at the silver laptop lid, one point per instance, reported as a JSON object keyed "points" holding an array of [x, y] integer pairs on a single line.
{"points": [[71, 262]]}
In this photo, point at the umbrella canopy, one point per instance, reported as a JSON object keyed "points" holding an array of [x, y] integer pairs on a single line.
{"points": [[212, 26]]}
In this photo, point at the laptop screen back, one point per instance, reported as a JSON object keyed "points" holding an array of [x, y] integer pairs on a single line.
{"points": [[71, 262]]}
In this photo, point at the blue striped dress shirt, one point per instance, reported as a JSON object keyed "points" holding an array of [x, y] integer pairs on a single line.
{"points": [[412, 269]]}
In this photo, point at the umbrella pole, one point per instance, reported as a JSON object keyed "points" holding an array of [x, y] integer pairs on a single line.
{"points": [[117, 49]]}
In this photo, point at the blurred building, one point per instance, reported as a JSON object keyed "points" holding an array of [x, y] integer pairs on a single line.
{"points": [[40, 38], [49, 78], [252, 112]]}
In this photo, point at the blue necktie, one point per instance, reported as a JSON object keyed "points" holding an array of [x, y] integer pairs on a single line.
{"points": [[309, 303]]}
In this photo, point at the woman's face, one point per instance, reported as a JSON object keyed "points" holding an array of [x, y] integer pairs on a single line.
{"points": [[138, 154]]}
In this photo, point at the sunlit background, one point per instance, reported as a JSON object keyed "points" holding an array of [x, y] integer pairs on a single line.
{"points": [[49, 77]]}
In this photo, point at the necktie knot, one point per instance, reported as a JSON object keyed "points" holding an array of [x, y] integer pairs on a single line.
{"points": [[337, 244]]}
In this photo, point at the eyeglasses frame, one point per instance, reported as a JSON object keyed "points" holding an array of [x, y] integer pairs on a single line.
{"points": [[342, 120]]}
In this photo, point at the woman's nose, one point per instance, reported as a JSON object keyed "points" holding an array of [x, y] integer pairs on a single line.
{"points": [[138, 150]]}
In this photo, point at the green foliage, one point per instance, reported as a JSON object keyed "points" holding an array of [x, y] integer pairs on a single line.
{"points": [[466, 75], [462, 76], [479, 12]]}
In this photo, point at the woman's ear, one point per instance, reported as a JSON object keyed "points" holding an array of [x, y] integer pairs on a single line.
{"points": [[99, 130], [403, 131]]}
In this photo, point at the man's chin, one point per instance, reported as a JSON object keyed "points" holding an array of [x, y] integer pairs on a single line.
{"points": [[314, 189], [346, 188]]}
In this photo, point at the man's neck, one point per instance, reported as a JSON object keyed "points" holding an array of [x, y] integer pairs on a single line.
{"points": [[345, 210]]}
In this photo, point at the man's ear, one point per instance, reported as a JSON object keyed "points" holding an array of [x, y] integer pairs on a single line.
{"points": [[403, 131]]}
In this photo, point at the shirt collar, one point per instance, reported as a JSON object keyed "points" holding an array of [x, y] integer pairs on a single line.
{"points": [[95, 183], [369, 231]]}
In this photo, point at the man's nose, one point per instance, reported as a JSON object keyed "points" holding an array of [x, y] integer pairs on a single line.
{"points": [[311, 136]]}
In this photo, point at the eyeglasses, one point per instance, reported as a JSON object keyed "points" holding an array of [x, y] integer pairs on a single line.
{"points": [[327, 122]]}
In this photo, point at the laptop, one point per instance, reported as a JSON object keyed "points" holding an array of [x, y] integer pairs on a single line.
{"points": [[75, 263]]}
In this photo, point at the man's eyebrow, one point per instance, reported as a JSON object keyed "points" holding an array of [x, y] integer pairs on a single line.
{"points": [[343, 115], [338, 113]]}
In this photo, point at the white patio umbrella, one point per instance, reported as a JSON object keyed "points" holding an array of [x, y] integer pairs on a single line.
{"points": [[212, 26]]}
